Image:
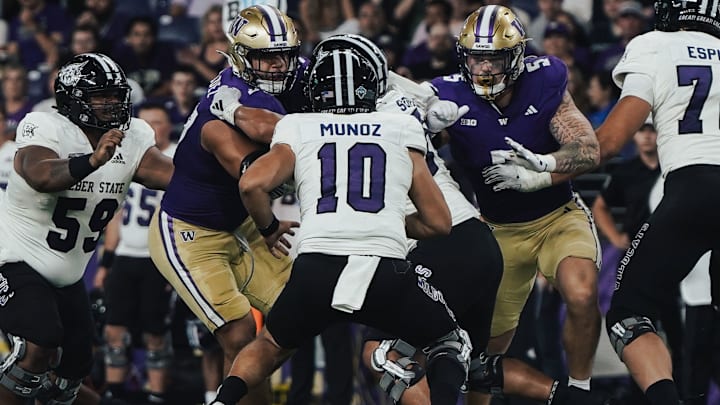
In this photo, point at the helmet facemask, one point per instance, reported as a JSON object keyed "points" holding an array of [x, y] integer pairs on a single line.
{"points": [[263, 35], [91, 90], [491, 50], [491, 73]]}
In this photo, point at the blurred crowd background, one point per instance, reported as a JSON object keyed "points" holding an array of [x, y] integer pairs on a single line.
{"points": [[168, 48]]}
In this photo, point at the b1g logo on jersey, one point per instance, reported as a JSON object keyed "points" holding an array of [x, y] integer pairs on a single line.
{"points": [[468, 122], [5, 293]]}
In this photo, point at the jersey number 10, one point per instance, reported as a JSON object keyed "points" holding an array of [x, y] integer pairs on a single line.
{"points": [[360, 198]]}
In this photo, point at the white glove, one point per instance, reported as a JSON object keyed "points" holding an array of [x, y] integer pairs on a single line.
{"points": [[225, 102], [530, 160], [514, 177], [443, 113]]}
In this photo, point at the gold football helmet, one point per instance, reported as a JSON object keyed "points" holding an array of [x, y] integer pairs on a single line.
{"points": [[491, 49], [264, 48]]}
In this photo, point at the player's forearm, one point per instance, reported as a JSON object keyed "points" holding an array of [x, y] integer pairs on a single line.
{"points": [[49, 176], [578, 156], [257, 203], [417, 227], [257, 123], [579, 149]]}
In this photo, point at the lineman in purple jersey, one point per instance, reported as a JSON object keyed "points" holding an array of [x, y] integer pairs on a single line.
{"points": [[538, 222], [202, 239]]}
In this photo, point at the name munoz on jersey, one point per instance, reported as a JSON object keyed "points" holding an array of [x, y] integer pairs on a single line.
{"points": [[353, 174]]}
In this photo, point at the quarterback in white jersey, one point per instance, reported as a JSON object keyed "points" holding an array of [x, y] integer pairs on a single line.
{"points": [[71, 173], [668, 72], [353, 169]]}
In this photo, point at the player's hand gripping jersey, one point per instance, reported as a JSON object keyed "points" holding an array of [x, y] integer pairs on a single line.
{"points": [[201, 191]]}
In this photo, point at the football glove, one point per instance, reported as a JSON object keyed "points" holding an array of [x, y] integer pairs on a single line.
{"points": [[225, 102], [514, 177], [533, 161], [443, 113]]}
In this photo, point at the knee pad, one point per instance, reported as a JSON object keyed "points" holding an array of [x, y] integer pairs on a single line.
{"points": [[455, 345], [19, 381], [61, 392], [159, 359], [399, 374], [486, 374], [117, 356], [622, 333]]}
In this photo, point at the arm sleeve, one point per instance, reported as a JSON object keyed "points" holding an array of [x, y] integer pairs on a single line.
{"points": [[638, 85]]}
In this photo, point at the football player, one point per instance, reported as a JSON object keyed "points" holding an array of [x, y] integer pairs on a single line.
{"points": [[537, 220], [201, 239], [471, 294], [354, 169], [668, 72], [137, 296], [71, 172]]}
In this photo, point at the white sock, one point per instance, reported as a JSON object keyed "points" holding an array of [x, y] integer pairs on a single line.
{"points": [[210, 396], [582, 384]]}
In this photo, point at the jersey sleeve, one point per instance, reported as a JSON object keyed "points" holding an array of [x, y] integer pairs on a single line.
{"points": [[414, 134], [640, 57], [286, 132], [37, 130], [143, 138]]}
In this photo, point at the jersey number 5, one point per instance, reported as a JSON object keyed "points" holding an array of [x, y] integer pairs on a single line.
{"points": [[360, 197], [102, 214]]}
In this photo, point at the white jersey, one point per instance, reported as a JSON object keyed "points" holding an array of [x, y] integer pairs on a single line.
{"points": [[56, 233], [685, 96], [7, 156], [353, 174], [460, 208], [139, 207]]}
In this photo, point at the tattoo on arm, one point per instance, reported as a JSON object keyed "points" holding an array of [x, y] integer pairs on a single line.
{"points": [[579, 149]]}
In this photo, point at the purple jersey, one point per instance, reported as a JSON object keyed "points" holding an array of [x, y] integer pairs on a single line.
{"points": [[536, 97], [201, 191]]}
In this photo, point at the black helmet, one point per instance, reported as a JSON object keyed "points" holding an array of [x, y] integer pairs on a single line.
{"points": [[342, 82], [676, 15], [87, 75], [364, 47]]}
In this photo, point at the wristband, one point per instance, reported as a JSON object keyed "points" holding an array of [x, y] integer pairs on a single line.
{"points": [[270, 229], [107, 259], [80, 166]]}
